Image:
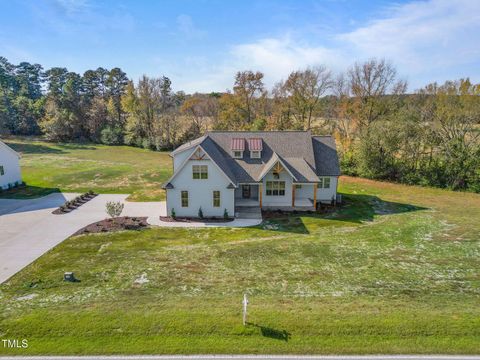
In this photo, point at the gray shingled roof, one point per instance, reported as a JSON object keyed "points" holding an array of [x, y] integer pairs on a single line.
{"points": [[189, 144], [306, 156], [326, 157]]}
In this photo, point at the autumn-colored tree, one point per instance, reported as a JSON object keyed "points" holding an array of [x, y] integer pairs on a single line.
{"points": [[304, 90], [453, 110], [281, 118], [248, 89]]}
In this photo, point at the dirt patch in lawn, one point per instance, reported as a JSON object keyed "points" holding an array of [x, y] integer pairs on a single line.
{"points": [[115, 224]]}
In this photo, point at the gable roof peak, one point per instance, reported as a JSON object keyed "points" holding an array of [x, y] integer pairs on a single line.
{"points": [[2, 144]]}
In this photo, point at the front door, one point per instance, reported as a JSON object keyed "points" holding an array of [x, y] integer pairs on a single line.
{"points": [[246, 191]]}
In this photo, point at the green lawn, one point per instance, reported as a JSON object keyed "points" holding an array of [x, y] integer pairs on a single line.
{"points": [[48, 167], [396, 270]]}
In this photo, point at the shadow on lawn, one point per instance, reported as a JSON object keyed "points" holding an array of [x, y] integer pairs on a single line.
{"points": [[361, 208], [27, 192], [34, 148], [355, 209], [266, 331], [44, 149]]}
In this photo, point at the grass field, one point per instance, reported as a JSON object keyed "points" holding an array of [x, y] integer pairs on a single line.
{"points": [[48, 167], [396, 270]]}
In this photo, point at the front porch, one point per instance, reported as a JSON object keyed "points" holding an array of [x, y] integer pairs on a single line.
{"points": [[246, 202], [254, 195]]}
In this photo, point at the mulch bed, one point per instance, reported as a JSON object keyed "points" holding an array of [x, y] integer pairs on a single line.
{"points": [[115, 224], [279, 214], [69, 206], [197, 220]]}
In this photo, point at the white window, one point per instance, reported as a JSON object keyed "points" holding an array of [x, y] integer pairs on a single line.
{"points": [[275, 188], [184, 198], [324, 183], [2, 170], [216, 198], [200, 171], [237, 154], [298, 186], [255, 154]]}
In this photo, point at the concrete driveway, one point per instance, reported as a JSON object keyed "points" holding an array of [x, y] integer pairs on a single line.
{"points": [[28, 228]]}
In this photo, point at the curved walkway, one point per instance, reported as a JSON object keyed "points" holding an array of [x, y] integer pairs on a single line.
{"points": [[28, 228]]}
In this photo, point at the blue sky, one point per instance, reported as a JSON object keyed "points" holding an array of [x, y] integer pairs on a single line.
{"points": [[200, 44]]}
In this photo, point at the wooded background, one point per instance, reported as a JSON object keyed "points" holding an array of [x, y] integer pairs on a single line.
{"points": [[427, 137]]}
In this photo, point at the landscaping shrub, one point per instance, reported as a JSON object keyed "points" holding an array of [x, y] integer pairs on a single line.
{"points": [[114, 208]]}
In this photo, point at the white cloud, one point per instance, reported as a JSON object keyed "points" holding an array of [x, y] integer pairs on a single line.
{"points": [[421, 36], [186, 26], [278, 57], [427, 41], [275, 57], [72, 7]]}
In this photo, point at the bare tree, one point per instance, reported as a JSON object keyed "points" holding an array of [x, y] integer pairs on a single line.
{"points": [[369, 83], [304, 89], [344, 123]]}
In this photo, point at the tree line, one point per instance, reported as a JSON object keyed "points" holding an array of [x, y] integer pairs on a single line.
{"points": [[429, 137]]}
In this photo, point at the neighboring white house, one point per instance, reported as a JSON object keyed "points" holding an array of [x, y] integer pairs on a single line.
{"points": [[9, 167], [225, 170]]}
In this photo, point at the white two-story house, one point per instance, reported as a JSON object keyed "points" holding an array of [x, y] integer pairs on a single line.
{"points": [[225, 170]]}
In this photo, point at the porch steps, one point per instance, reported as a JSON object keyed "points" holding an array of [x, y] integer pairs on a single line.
{"points": [[248, 212]]}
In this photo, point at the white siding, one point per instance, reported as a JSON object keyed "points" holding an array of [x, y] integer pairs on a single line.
{"points": [[305, 192], [270, 200], [179, 158], [325, 195], [11, 165], [200, 192]]}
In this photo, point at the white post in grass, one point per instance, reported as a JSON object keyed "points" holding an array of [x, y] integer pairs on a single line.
{"points": [[245, 303]]}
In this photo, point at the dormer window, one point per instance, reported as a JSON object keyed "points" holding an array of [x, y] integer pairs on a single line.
{"points": [[255, 154], [255, 145], [237, 154], [238, 146]]}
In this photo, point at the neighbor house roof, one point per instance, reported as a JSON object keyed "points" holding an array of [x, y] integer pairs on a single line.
{"points": [[5, 146], [304, 156]]}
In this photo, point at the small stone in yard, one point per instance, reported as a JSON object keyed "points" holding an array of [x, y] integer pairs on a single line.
{"points": [[26, 297], [142, 279], [69, 276]]}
